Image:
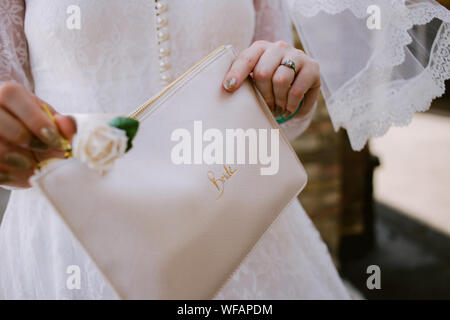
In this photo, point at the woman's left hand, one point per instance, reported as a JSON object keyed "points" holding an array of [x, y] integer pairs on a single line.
{"points": [[279, 85]]}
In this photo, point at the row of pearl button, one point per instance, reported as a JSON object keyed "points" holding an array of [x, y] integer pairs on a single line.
{"points": [[163, 42]]}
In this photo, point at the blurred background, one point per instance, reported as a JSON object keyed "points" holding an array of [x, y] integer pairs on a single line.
{"points": [[388, 205]]}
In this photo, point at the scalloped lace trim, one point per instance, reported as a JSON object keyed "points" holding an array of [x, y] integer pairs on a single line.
{"points": [[357, 106]]}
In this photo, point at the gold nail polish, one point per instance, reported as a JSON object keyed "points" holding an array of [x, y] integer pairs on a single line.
{"points": [[51, 136], [37, 145], [230, 83], [17, 160]]}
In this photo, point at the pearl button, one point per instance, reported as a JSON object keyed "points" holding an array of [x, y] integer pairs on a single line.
{"points": [[163, 35], [164, 49], [160, 7], [164, 52], [162, 22], [166, 77], [164, 65]]}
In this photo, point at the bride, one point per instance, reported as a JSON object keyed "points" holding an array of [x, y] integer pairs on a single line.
{"points": [[84, 56], [139, 48]]}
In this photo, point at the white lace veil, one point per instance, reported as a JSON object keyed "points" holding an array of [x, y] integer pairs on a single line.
{"points": [[375, 78]]}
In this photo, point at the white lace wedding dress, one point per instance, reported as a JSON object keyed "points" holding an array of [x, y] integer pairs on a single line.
{"points": [[124, 52]]}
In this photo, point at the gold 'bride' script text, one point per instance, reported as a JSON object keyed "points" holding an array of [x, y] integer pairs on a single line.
{"points": [[219, 183]]}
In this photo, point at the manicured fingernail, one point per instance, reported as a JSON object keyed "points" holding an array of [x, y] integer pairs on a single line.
{"points": [[4, 177], [277, 111], [287, 114], [17, 160], [230, 83], [51, 136], [37, 145]]}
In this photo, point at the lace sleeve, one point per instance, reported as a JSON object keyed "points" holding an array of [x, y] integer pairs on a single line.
{"points": [[272, 24], [14, 64], [272, 21], [381, 60]]}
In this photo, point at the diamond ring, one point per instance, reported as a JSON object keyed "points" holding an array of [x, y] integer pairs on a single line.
{"points": [[289, 63]]}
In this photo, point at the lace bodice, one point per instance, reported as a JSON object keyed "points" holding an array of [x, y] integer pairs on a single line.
{"points": [[116, 68]]}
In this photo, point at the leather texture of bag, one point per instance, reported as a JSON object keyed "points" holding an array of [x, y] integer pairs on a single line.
{"points": [[160, 230]]}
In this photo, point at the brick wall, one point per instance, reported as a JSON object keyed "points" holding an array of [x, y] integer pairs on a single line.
{"points": [[320, 152], [338, 196]]}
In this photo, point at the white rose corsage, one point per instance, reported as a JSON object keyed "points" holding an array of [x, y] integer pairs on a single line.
{"points": [[99, 145]]}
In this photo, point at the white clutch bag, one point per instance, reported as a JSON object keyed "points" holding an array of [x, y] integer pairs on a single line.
{"points": [[157, 229]]}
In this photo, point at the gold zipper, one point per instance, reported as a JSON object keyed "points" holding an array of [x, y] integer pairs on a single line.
{"points": [[141, 109]]}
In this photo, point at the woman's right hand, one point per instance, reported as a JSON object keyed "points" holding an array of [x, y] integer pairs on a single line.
{"points": [[27, 134]]}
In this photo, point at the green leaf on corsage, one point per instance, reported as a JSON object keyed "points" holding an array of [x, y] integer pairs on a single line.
{"points": [[129, 125]]}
